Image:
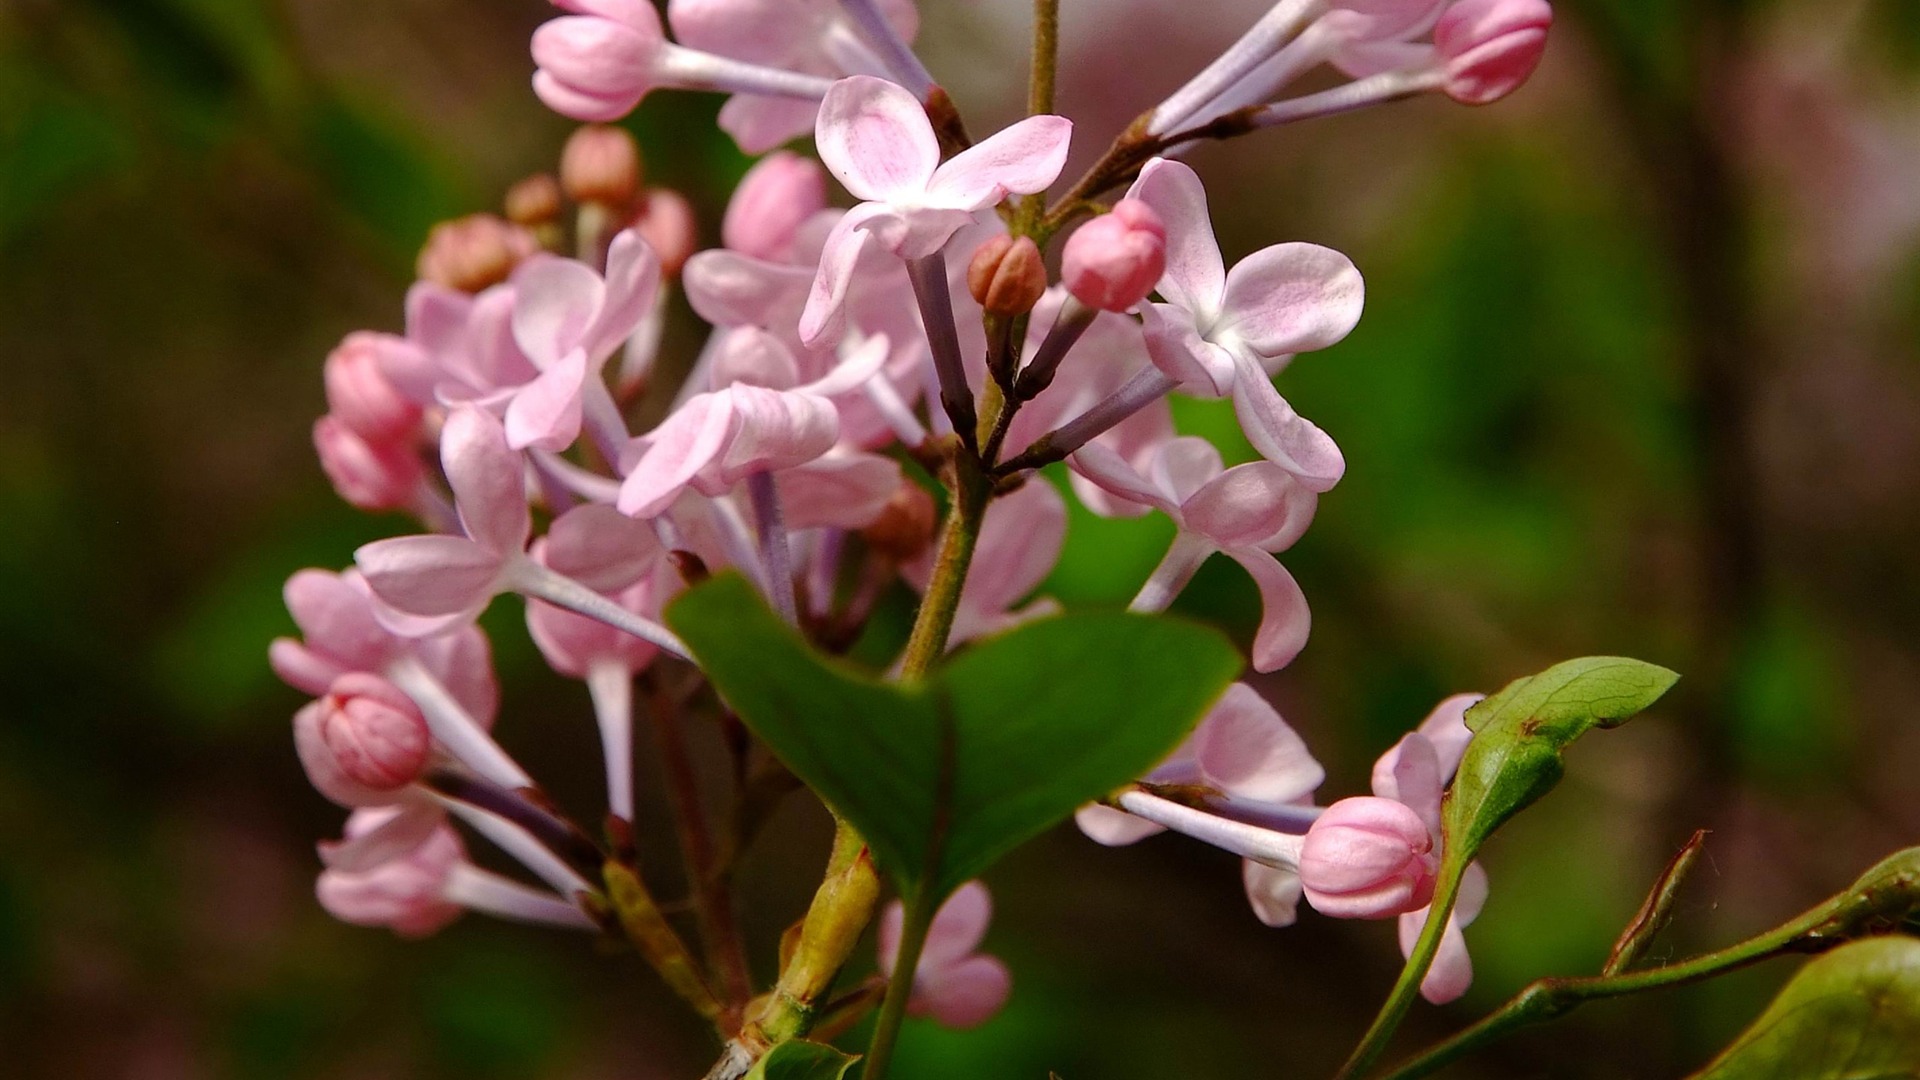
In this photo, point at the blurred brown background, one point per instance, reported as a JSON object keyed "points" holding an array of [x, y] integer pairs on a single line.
{"points": [[1637, 375]]}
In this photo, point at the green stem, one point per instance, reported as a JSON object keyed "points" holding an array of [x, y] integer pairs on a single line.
{"points": [[1046, 61], [971, 488], [1881, 898], [1445, 893], [893, 1009]]}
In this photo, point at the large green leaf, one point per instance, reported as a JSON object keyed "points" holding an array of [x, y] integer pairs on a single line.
{"points": [[944, 775], [799, 1059], [1519, 735], [1852, 1014]]}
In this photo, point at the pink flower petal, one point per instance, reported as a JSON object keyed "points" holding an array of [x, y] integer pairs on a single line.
{"points": [[824, 318], [772, 430], [965, 995], [545, 414], [1281, 435], [1274, 894], [1023, 159], [958, 927], [430, 576], [727, 288], [1176, 348], [1257, 505], [602, 548], [595, 56], [631, 286], [773, 200], [876, 138], [1291, 298], [1113, 828], [1284, 618], [1247, 750], [579, 105], [1196, 277], [677, 451], [555, 301], [488, 480], [333, 613], [847, 490], [1108, 470]]}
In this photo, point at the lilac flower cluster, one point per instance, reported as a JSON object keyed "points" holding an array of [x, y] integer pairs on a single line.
{"points": [[914, 327]]}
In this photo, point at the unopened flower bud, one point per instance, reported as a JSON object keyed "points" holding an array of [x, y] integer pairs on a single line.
{"points": [[362, 397], [534, 201], [1491, 46], [905, 527], [773, 200], [666, 222], [474, 252], [1368, 858], [1115, 260], [374, 733], [371, 476], [1007, 276], [601, 164]]}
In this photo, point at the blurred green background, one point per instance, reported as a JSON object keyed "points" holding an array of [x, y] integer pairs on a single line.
{"points": [[1637, 375]]}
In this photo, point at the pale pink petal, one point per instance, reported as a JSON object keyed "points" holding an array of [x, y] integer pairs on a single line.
{"points": [[1246, 749], [1196, 277], [430, 576], [379, 834], [638, 14], [677, 450], [759, 123], [854, 370], [1283, 436], [463, 662], [1452, 970], [631, 286], [1284, 618], [1274, 894], [554, 305], [333, 614], [488, 480], [965, 995], [1020, 542], [752, 356], [301, 667], [773, 200], [1182, 466], [1113, 828], [602, 548], [579, 105], [727, 288], [893, 920], [1107, 469], [1446, 727], [1414, 779], [772, 430], [1176, 348], [847, 490], [958, 927], [1023, 159], [824, 319], [1257, 505], [1291, 298], [545, 414], [876, 138]]}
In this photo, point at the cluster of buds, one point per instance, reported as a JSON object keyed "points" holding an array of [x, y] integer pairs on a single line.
{"points": [[914, 326]]}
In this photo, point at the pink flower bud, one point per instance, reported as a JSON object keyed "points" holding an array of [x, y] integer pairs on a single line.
{"points": [[534, 201], [666, 222], [371, 476], [374, 733], [1491, 46], [601, 164], [1116, 259], [1368, 858], [361, 396], [406, 893], [773, 200], [1007, 276], [473, 252]]}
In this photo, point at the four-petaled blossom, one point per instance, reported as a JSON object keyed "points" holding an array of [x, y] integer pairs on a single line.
{"points": [[953, 984], [405, 892], [1219, 330], [1246, 513], [877, 139]]}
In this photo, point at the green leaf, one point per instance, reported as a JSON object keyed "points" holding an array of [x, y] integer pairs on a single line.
{"points": [[945, 775], [1520, 733], [798, 1059], [1851, 1014]]}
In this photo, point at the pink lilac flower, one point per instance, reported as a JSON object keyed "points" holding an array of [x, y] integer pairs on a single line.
{"points": [[953, 984], [369, 475], [362, 397], [1115, 260], [1219, 332], [876, 138], [363, 741], [1246, 512], [774, 199]]}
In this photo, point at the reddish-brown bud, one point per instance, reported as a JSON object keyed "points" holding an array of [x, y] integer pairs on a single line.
{"points": [[601, 164], [534, 201], [905, 528], [474, 252], [1007, 276]]}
